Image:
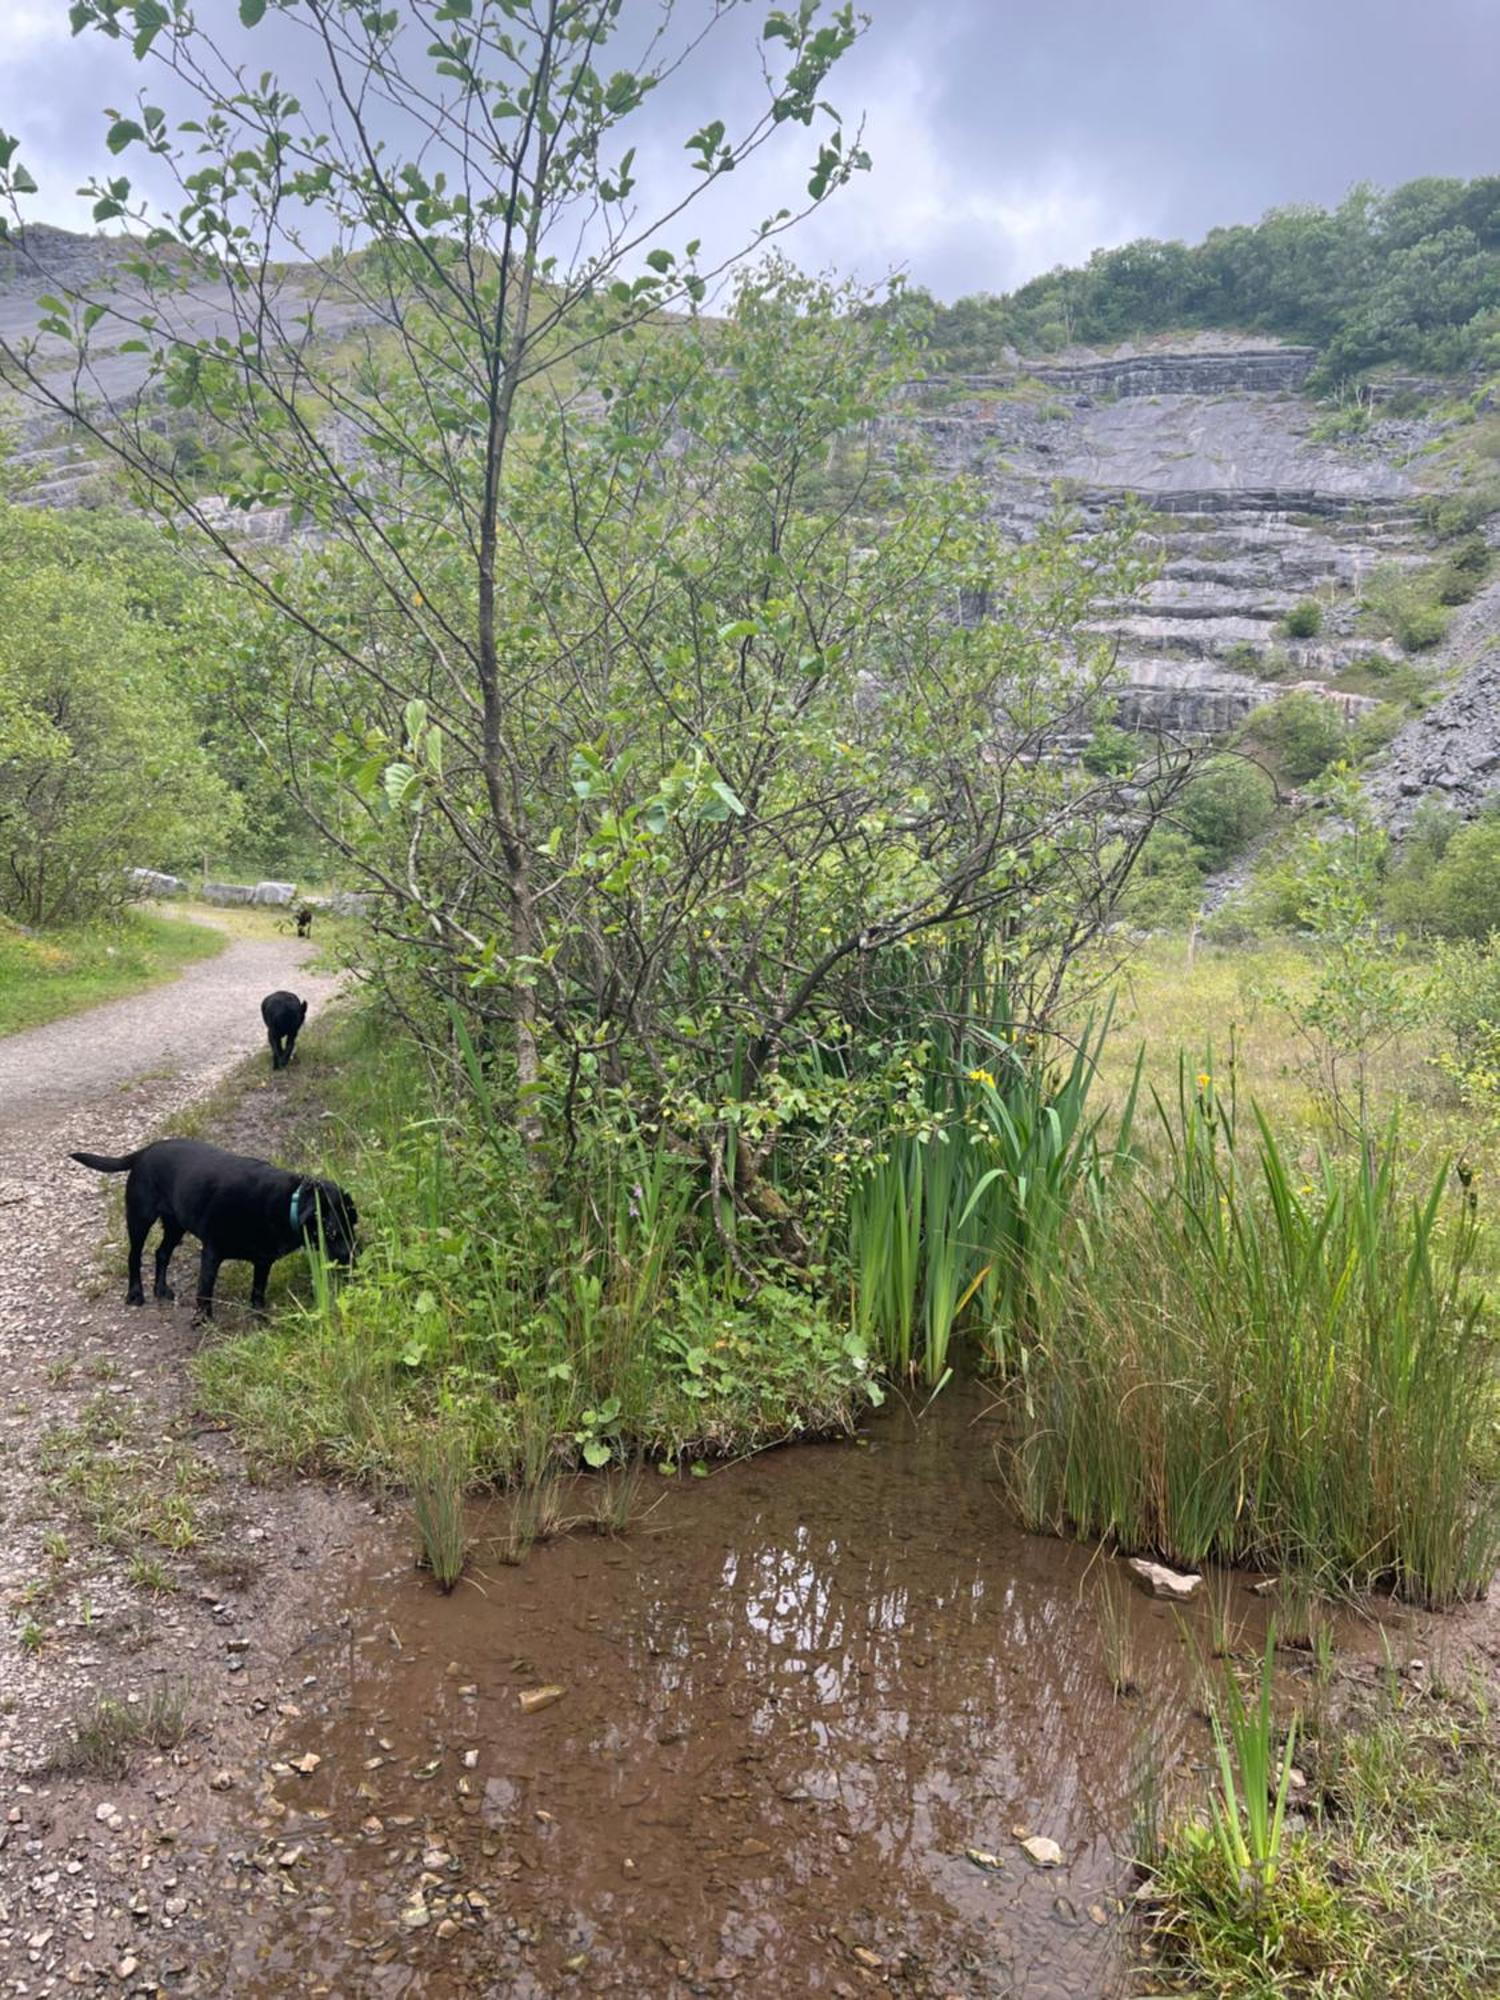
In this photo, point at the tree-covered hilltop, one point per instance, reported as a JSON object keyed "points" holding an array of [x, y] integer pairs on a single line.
{"points": [[1411, 277]]}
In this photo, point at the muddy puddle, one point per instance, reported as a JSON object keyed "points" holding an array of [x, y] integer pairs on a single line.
{"points": [[798, 1701]]}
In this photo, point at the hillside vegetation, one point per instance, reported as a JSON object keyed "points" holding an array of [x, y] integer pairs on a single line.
{"points": [[1410, 277]]}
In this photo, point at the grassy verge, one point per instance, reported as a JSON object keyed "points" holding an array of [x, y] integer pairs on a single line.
{"points": [[502, 1330], [63, 972], [1388, 1883]]}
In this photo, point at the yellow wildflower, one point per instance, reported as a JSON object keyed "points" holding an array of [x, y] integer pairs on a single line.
{"points": [[1204, 1079], [981, 1076]]}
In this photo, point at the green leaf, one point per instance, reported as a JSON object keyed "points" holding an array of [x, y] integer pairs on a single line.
{"points": [[400, 779], [252, 13], [122, 133], [150, 18], [597, 1453]]}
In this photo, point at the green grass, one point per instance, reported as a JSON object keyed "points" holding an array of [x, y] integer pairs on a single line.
{"points": [[55, 973], [1245, 1325], [1387, 1892], [105, 1735]]}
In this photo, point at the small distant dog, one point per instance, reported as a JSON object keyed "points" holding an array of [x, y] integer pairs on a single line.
{"points": [[283, 1014], [238, 1208], [304, 920]]}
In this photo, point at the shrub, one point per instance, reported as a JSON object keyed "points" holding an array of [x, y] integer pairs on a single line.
{"points": [[1454, 891], [1226, 805], [1404, 607], [1112, 751], [1304, 620], [1373, 731], [1301, 732], [1465, 995], [1166, 887], [1422, 628]]}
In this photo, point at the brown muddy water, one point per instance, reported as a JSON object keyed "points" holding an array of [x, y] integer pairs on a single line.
{"points": [[798, 1700]]}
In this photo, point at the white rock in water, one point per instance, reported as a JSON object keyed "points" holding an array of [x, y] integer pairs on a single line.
{"points": [[1159, 1581], [1044, 1852]]}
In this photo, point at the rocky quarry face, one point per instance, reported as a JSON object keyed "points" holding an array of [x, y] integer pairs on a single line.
{"points": [[1211, 434], [1252, 515]]}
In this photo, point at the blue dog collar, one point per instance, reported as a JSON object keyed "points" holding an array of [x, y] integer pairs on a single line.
{"points": [[296, 1203]]}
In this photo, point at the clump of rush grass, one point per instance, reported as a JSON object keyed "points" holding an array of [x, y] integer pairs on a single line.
{"points": [[1225, 1626], [106, 1733], [439, 1480], [1114, 1606], [1271, 1368], [536, 1512], [617, 1501]]}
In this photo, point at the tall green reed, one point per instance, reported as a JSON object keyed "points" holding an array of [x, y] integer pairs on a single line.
{"points": [[1249, 1810], [1270, 1366], [957, 1223]]}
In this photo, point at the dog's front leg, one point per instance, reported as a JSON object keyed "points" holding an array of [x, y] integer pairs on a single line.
{"points": [[260, 1277], [208, 1271]]}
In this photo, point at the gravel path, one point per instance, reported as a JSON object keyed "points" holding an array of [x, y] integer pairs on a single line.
{"points": [[134, 1552], [184, 1036]]}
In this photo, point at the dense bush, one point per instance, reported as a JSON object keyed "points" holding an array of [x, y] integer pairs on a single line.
{"points": [[1304, 620], [1465, 997], [1455, 891], [1227, 804], [1300, 732]]}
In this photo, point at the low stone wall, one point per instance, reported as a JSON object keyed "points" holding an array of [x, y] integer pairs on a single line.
{"points": [[245, 895], [151, 882], [272, 895]]}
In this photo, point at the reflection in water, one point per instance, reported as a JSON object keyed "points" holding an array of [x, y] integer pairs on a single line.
{"points": [[795, 1700]]}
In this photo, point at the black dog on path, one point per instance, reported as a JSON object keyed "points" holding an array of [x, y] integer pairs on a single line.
{"points": [[238, 1208], [283, 1014]]}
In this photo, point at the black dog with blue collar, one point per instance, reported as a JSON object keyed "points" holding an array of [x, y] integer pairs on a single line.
{"points": [[238, 1208]]}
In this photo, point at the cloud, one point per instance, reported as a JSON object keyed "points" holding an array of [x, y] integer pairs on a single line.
{"points": [[1005, 137]]}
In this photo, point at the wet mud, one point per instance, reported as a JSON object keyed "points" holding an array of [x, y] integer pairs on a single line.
{"points": [[810, 1709]]}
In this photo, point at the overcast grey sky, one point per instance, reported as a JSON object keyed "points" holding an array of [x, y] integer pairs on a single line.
{"points": [[1006, 137]]}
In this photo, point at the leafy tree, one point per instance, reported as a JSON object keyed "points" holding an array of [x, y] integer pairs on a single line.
{"points": [[669, 762], [102, 765], [444, 247]]}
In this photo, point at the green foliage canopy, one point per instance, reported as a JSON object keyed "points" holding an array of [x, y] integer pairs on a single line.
{"points": [[102, 706]]}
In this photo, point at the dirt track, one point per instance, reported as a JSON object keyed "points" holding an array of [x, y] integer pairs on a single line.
{"points": [[132, 1548]]}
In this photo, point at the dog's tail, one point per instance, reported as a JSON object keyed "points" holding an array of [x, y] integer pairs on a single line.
{"points": [[102, 1165]]}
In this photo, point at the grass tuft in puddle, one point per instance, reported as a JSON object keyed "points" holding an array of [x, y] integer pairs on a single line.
{"points": [[437, 1502]]}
